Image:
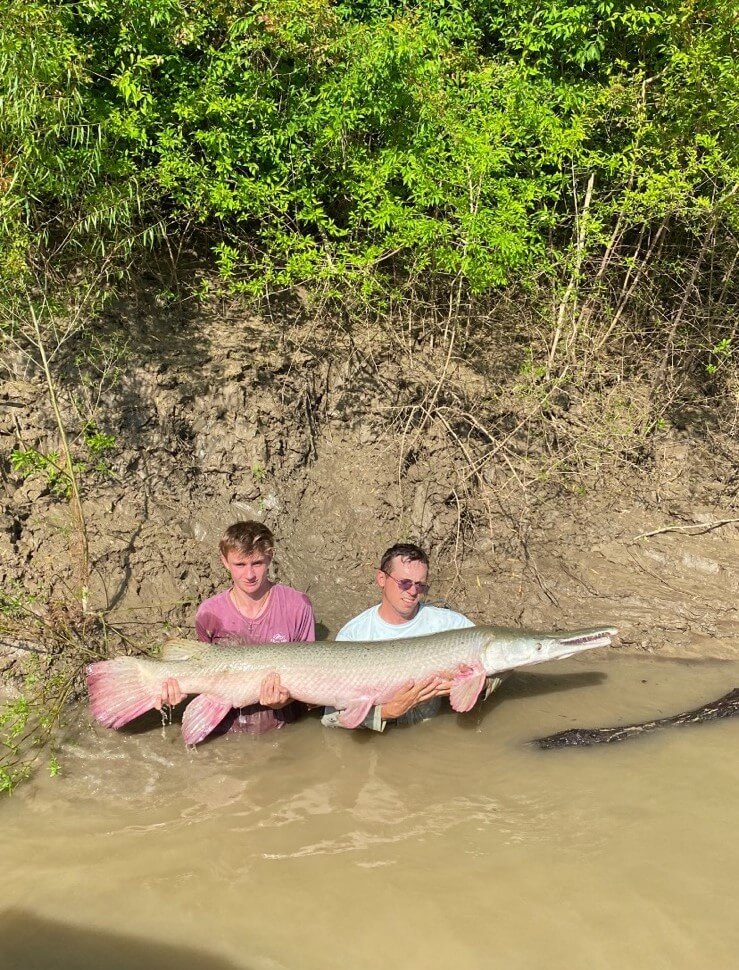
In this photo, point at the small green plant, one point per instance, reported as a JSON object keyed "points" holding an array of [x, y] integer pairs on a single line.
{"points": [[24, 731], [14, 718], [9, 778], [15, 603], [165, 298], [258, 471], [530, 369], [97, 441], [720, 353], [30, 461], [99, 445], [60, 640]]}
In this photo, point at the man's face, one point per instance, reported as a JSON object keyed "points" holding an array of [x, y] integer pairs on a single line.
{"points": [[250, 573], [399, 606]]}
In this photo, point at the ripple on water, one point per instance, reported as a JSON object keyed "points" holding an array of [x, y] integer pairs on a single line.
{"points": [[419, 843]]}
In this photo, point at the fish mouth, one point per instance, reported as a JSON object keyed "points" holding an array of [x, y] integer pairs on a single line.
{"points": [[589, 638]]}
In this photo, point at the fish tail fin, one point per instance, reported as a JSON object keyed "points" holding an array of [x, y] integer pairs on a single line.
{"points": [[119, 691]]}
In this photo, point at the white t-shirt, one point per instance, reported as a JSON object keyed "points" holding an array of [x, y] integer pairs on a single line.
{"points": [[429, 619], [370, 626]]}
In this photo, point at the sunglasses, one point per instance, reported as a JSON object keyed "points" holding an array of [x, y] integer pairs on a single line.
{"points": [[407, 584]]}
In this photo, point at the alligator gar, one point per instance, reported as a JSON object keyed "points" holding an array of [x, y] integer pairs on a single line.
{"points": [[349, 676], [726, 706]]}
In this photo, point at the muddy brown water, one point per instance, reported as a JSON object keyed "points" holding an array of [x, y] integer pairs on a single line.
{"points": [[452, 843]]}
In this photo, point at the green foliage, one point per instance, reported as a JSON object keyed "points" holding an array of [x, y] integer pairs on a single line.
{"points": [[341, 145], [15, 602], [58, 641], [720, 354], [98, 445], [29, 461], [26, 726], [69, 193], [14, 722], [11, 777], [14, 718]]}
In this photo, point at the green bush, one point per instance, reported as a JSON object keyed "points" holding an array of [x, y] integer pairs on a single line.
{"points": [[352, 149]]}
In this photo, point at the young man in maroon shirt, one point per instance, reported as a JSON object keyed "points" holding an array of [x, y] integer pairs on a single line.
{"points": [[254, 610]]}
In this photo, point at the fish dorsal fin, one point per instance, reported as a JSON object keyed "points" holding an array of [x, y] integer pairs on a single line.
{"points": [[181, 650]]}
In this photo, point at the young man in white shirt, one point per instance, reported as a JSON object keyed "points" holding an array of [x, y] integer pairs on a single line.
{"points": [[401, 612]]}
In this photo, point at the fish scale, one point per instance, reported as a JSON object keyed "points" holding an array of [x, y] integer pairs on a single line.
{"points": [[349, 676]]}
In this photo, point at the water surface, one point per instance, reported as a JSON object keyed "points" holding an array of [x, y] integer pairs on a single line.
{"points": [[451, 843]]}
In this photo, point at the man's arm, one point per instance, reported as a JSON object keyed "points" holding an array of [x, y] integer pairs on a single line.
{"points": [[426, 693], [412, 703], [272, 693], [171, 692], [411, 694]]}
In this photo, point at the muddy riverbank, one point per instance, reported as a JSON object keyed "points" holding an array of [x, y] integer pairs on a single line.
{"points": [[451, 842], [540, 509]]}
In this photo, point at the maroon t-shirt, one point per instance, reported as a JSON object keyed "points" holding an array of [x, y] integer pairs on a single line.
{"points": [[287, 618]]}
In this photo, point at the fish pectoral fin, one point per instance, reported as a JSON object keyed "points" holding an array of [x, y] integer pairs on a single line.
{"points": [[201, 716], [354, 713], [466, 687]]}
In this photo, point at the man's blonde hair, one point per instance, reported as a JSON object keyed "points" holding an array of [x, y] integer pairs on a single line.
{"points": [[247, 538]]}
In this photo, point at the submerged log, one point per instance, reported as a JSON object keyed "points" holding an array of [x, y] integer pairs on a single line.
{"points": [[726, 706]]}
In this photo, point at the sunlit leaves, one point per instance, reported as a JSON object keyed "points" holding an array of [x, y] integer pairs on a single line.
{"points": [[326, 143]]}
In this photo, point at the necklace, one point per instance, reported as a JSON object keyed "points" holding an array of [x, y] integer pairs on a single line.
{"points": [[261, 606]]}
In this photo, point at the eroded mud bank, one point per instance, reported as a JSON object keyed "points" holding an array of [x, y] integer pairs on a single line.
{"points": [[344, 442]]}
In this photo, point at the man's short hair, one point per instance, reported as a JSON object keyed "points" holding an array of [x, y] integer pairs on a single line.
{"points": [[406, 551], [247, 538]]}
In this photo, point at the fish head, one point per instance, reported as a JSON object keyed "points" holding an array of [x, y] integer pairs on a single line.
{"points": [[508, 649]]}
